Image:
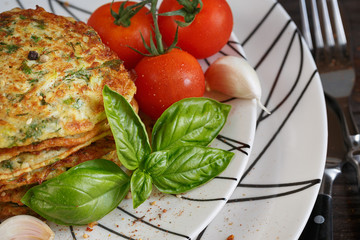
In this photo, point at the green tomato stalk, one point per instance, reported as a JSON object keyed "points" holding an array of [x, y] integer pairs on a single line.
{"points": [[189, 11], [158, 48], [124, 15], [122, 18]]}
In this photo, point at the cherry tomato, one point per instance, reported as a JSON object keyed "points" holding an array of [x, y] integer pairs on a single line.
{"points": [[119, 38], [165, 79], [206, 35]]}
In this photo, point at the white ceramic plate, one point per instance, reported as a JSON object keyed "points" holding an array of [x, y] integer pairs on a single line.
{"points": [[170, 217], [279, 185]]}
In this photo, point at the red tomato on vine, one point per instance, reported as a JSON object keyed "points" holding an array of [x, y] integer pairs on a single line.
{"points": [[166, 75], [114, 32], [165, 79], [206, 35]]}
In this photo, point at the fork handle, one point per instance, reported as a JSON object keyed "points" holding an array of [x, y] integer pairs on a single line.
{"points": [[320, 223], [349, 118]]}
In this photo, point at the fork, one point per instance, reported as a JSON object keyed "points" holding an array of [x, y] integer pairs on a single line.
{"points": [[331, 54]]}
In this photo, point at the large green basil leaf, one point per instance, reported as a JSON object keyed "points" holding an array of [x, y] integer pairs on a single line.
{"points": [[82, 195], [132, 142], [189, 122], [141, 187], [187, 168]]}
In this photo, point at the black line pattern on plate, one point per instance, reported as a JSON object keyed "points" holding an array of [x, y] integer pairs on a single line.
{"points": [[201, 199], [231, 44], [259, 24], [20, 4], [51, 6], [140, 219], [262, 115], [201, 234], [73, 235], [228, 100], [223, 53], [278, 185], [66, 7], [279, 128], [262, 197], [69, 5], [276, 40], [230, 142], [227, 178], [207, 61], [114, 232], [283, 122], [264, 56]]}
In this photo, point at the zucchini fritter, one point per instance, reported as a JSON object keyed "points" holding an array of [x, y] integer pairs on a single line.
{"points": [[52, 72]]}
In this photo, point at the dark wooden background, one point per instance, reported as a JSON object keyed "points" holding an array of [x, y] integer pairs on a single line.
{"points": [[346, 198]]}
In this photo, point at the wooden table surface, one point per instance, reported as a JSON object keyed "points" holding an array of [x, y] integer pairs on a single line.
{"points": [[346, 198]]}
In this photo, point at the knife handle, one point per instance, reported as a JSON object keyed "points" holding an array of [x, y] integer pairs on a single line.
{"points": [[320, 223]]}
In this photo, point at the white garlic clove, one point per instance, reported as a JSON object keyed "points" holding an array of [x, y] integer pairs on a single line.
{"points": [[23, 227], [234, 77]]}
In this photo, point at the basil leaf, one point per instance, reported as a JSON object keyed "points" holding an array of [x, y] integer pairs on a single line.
{"points": [[189, 122], [141, 187], [82, 195], [187, 168], [132, 142]]}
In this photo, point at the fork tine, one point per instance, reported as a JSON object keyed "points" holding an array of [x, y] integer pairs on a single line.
{"points": [[338, 24], [305, 24], [327, 29], [342, 47], [319, 41]]}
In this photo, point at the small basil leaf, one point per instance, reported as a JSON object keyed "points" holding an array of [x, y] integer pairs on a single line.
{"points": [[156, 163], [141, 187], [132, 142], [189, 167], [82, 195], [189, 122]]}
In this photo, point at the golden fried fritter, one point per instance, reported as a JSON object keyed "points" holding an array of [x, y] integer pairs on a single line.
{"points": [[52, 72]]}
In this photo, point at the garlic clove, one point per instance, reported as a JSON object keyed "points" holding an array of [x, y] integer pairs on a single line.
{"points": [[234, 77], [23, 227]]}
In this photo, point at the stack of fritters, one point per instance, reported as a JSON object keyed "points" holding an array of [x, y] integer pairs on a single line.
{"points": [[52, 72]]}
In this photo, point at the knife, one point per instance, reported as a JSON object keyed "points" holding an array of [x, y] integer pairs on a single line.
{"points": [[320, 224]]}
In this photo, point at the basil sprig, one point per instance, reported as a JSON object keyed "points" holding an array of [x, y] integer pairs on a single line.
{"points": [[180, 161]]}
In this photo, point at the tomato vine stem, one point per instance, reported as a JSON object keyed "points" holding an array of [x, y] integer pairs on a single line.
{"points": [[188, 12], [158, 48], [124, 15]]}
